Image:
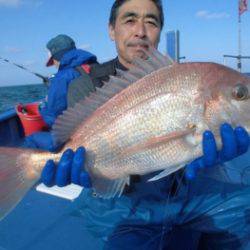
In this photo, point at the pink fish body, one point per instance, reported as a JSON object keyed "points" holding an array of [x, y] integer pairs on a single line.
{"points": [[147, 119]]}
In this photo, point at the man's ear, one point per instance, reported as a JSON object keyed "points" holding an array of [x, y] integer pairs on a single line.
{"points": [[111, 32]]}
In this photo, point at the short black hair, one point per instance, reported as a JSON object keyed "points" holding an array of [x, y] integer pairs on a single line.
{"points": [[118, 3]]}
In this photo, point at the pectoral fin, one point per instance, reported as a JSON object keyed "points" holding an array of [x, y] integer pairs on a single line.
{"points": [[157, 141], [166, 172], [106, 188]]}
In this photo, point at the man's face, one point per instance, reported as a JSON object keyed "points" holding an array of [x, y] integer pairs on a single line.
{"points": [[137, 27]]}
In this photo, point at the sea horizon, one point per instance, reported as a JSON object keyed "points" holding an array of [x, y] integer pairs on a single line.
{"points": [[12, 95]]}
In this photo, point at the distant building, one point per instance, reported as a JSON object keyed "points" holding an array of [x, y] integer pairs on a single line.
{"points": [[173, 44]]}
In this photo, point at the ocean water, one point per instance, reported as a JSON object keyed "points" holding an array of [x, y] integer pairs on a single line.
{"points": [[11, 96]]}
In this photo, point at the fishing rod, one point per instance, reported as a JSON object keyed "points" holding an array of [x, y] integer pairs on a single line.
{"points": [[44, 78]]}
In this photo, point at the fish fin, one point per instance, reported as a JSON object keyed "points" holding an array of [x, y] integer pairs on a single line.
{"points": [[68, 122], [163, 60], [165, 173], [146, 66], [106, 188], [79, 89], [14, 181], [157, 141]]}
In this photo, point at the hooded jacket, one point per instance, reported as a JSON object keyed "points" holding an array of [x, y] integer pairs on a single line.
{"points": [[57, 94]]}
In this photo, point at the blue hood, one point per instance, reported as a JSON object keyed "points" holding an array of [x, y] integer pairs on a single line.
{"points": [[76, 57]]}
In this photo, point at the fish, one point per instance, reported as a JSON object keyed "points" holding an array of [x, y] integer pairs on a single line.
{"points": [[143, 120]]}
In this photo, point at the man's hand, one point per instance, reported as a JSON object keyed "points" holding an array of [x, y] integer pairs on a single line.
{"points": [[70, 169], [234, 143]]}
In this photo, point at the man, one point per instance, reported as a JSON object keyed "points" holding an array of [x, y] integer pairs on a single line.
{"points": [[64, 55], [148, 214]]}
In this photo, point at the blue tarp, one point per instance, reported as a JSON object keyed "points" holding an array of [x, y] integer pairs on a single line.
{"points": [[42, 222]]}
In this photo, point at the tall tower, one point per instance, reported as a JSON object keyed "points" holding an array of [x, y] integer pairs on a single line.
{"points": [[173, 44]]}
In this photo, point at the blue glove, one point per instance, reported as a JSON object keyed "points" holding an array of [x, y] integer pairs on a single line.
{"points": [[41, 140], [70, 169], [234, 143]]}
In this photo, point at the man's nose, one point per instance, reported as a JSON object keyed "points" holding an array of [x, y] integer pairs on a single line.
{"points": [[140, 30]]}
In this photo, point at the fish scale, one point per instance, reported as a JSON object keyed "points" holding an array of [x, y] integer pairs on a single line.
{"points": [[144, 126]]}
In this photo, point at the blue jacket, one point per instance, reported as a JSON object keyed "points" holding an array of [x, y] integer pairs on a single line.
{"points": [[57, 93]]}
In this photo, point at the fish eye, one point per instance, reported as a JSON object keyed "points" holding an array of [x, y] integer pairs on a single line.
{"points": [[240, 92]]}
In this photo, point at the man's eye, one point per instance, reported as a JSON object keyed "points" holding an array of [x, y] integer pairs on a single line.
{"points": [[129, 21], [152, 23]]}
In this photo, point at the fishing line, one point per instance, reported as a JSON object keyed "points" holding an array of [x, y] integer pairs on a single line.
{"points": [[167, 201], [44, 78], [243, 175]]}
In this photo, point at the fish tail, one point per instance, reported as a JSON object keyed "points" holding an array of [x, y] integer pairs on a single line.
{"points": [[15, 176]]}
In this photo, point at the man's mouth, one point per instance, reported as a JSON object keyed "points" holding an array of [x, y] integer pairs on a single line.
{"points": [[139, 45]]}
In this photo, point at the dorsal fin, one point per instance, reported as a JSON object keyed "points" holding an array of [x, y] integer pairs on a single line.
{"points": [[67, 123], [79, 88], [158, 58]]}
